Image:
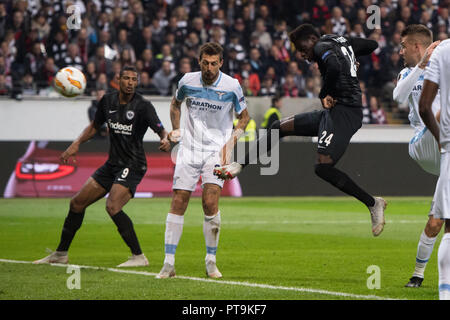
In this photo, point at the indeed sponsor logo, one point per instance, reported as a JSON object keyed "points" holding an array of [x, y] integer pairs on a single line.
{"points": [[120, 127]]}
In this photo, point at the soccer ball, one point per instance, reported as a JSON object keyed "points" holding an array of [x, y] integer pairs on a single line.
{"points": [[70, 82]]}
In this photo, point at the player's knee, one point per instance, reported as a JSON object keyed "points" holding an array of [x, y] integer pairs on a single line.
{"points": [[77, 204], [178, 205], [210, 207], [433, 227], [322, 170], [112, 208], [327, 172]]}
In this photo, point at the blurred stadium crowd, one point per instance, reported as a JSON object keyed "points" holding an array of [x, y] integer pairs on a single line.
{"points": [[162, 38]]}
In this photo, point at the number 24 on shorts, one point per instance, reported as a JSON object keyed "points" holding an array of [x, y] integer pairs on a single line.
{"points": [[327, 139]]}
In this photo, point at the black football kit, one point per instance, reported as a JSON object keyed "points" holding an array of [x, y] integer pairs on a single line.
{"points": [[127, 126], [336, 58]]}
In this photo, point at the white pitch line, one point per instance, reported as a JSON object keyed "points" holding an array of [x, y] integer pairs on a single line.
{"points": [[233, 283]]}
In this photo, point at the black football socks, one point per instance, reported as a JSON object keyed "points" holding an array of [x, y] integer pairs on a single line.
{"points": [[343, 182], [71, 225], [126, 230]]}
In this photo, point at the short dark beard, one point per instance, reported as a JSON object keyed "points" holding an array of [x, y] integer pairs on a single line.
{"points": [[212, 81]]}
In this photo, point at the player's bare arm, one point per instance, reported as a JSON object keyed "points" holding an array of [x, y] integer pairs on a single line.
{"points": [[175, 115], [72, 150], [164, 143], [243, 119], [429, 92]]}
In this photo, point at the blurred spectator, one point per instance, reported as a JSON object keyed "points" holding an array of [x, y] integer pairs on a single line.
{"points": [[231, 63], [268, 88], [443, 20], [264, 37], [184, 67], [102, 82], [337, 24], [273, 113], [146, 87], [199, 29], [358, 31], [124, 44], [378, 116], [256, 63], [442, 36], [149, 65], [40, 24], [91, 78], [4, 89], [72, 58], [289, 88], [309, 88], [254, 84], [35, 59], [299, 79], [28, 85], [282, 51], [320, 13], [162, 78], [245, 84], [58, 47], [102, 65], [145, 42], [45, 77], [275, 61], [235, 43]]}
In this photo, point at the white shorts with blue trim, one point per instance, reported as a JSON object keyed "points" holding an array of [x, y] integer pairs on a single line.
{"points": [[193, 165], [424, 149], [441, 208]]}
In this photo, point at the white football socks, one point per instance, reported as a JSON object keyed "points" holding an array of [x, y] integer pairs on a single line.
{"points": [[174, 229], [211, 231], [424, 250], [444, 267]]}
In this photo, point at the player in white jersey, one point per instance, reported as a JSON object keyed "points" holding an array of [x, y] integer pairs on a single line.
{"points": [[208, 138], [423, 148], [437, 77]]}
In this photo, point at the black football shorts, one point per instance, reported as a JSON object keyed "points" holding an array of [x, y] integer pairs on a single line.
{"points": [[333, 127], [109, 174]]}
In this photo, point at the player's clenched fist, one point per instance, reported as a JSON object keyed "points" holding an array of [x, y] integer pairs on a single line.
{"points": [[175, 135], [164, 145], [328, 102]]}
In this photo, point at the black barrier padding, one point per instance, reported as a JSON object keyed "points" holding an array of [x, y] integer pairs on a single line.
{"points": [[380, 168]]}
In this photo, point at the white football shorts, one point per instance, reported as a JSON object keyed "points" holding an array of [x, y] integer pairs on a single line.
{"points": [[191, 165], [441, 207], [424, 149]]}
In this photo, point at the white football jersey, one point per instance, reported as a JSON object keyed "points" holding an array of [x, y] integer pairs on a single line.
{"points": [[409, 87], [438, 71], [209, 120]]}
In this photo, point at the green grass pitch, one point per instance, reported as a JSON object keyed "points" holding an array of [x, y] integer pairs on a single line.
{"points": [[270, 248]]}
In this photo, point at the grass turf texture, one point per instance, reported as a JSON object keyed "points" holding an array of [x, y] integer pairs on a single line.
{"points": [[316, 243]]}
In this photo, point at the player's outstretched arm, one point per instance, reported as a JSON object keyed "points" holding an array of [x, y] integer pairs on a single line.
{"points": [[361, 46], [72, 150]]}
